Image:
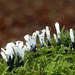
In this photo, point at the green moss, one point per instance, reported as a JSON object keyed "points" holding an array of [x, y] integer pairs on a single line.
{"points": [[46, 61]]}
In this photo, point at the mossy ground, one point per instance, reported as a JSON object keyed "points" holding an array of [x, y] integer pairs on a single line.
{"points": [[46, 61]]}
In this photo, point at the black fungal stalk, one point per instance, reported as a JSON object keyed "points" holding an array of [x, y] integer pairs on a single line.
{"points": [[10, 62], [73, 45], [19, 61], [48, 43], [59, 41], [33, 48], [42, 45]]}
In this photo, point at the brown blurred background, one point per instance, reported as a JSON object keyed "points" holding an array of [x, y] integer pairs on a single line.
{"points": [[19, 17]]}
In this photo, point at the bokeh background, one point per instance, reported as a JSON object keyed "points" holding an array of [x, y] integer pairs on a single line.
{"points": [[20, 17]]}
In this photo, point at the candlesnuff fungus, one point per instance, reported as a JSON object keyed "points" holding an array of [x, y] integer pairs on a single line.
{"points": [[41, 35], [58, 32], [48, 35], [31, 42], [4, 56], [9, 54], [55, 38], [72, 38], [17, 49]]}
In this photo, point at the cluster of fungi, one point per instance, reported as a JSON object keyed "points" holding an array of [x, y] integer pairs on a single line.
{"points": [[18, 49]]}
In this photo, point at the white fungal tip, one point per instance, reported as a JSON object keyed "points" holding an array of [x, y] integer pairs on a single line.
{"points": [[4, 56], [57, 29], [28, 46], [3, 50], [19, 43], [34, 35], [48, 33], [27, 37], [57, 26], [37, 32], [55, 38], [56, 23], [72, 35], [44, 30], [47, 27]]}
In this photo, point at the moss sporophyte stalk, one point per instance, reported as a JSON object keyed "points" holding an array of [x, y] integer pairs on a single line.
{"points": [[51, 56]]}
